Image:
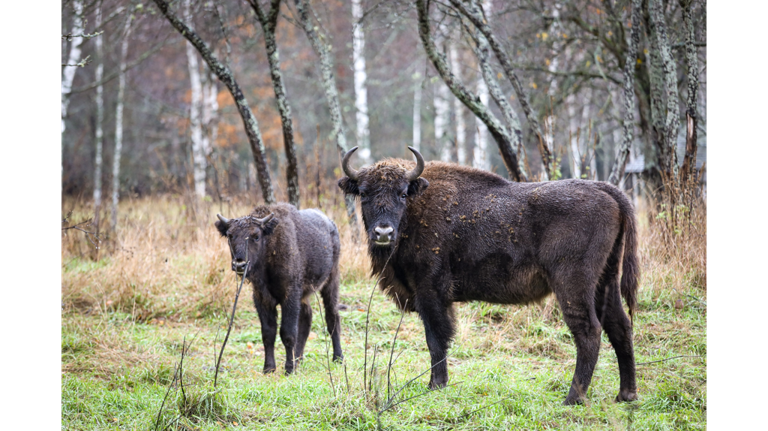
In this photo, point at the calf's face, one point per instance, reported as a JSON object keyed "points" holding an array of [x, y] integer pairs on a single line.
{"points": [[384, 190], [246, 239]]}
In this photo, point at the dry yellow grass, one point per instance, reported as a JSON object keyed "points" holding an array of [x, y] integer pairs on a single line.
{"points": [[166, 259]]}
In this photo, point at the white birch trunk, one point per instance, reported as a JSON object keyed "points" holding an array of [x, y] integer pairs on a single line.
{"points": [[480, 152], [99, 125], [196, 105], [210, 111], [119, 123], [458, 108], [361, 91], [417, 115], [74, 58], [573, 127], [442, 107], [550, 120]]}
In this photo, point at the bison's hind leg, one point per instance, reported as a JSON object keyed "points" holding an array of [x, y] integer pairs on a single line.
{"points": [[305, 324], [573, 287], [619, 330], [330, 294]]}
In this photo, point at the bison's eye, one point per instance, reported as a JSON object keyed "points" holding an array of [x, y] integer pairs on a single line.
{"points": [[404, 195], [362, 194]]}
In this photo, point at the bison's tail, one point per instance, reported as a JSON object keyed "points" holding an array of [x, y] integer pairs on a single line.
{"points": [[630, 272]]}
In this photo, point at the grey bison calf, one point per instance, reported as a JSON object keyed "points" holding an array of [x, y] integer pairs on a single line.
{"points": [[287, 255]]}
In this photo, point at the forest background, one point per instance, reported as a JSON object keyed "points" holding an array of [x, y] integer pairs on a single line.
{"points": [[174, 111]]}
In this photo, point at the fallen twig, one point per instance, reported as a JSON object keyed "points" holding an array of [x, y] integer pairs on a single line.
{"points": [[669, 359]]}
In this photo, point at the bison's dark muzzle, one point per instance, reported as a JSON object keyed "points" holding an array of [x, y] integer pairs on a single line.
{"points": [[238, 265]]}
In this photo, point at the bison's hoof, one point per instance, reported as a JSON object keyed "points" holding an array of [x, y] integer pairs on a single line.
{"points": [[436, 384], [269, 370], [573, 401], [338, 358], [626, 395]]}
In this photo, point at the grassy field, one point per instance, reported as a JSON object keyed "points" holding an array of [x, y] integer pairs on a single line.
{"points": [[162, 285]]}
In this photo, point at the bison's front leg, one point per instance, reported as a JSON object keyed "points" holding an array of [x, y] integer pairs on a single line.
{"points": [[289, 327], [268, 317], [437, 316]]}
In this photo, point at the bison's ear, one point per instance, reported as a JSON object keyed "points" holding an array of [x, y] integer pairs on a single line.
{"points": [[417, 186], [349, 186], [268, 227], [222, 227]]}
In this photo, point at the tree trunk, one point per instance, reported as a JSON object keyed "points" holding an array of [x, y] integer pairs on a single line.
{"points": [[74, 58], [195, 120], [471, 101], [268, 23], [474, 14], [417, 115], [442, 105], [669, 71], [361, 91], [99, 126], [458, 109], [119, 123], [331, 96], [688, 169], [617, 173], [490, 85], [225, 76]]}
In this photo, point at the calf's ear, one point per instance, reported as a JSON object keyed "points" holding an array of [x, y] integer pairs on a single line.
{"points": [[222, 227], [417, 186], [349, 186]]}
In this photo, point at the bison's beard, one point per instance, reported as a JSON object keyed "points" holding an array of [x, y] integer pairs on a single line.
{"points": [[380, 254]]}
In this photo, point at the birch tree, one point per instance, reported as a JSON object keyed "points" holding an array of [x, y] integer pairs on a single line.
{"points": [[628, 127], [692, 76], [70, 67], [317, 40], [474, 14], [361, 90], [470, 100], [119, 122], [99, 124], [668, 148], [195, 113], [458, 109], [417, 90], [441, 104], [268, 21], [480, 150], [226, 76]]}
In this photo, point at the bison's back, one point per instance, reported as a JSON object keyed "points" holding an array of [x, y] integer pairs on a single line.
{"points": [[500, 241]]}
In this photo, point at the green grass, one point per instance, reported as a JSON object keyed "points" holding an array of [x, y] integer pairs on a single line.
{"points": [[510, 367]]}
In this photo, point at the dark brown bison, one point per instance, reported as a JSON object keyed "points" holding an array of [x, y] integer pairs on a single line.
{"points": [[287, 255], [441, 233]]}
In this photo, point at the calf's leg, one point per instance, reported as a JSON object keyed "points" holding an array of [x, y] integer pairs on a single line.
{"points": [[289, 330], [305, 324], [268, 318], [330, 294]]}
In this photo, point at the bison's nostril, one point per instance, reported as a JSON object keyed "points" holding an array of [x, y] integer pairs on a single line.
{"points": [[383, 233]]}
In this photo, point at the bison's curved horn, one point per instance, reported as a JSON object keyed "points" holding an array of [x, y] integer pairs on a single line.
{"points": [[416, 172], [223, 219], [265, 219], [351, 173]]}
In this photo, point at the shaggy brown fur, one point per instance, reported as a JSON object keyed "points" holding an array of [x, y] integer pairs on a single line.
{"points": [[463, 234], [292, 256]]}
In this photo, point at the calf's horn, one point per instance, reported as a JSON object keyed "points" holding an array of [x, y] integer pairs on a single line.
{"points": [[351, 173], [416, 172], [223, 219], [265, 219]]}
